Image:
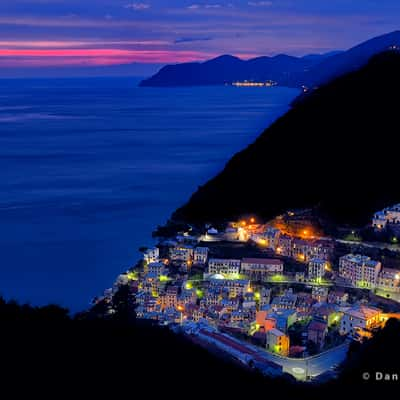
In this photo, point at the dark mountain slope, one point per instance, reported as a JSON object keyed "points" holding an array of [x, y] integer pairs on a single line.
{"points": [[336, 148], [350, 60]]}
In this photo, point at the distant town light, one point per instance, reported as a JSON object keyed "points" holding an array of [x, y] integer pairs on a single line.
{"points": [[252, 220]]}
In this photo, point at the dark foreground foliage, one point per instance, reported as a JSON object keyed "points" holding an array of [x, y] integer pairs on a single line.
{"points": [[44, 351]]}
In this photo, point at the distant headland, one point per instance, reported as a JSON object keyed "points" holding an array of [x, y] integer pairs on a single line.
{"points": [[285, 70]]}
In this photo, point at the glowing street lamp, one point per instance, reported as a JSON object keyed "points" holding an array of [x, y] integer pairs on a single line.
{"points": [[189, 285], [180, 309]]}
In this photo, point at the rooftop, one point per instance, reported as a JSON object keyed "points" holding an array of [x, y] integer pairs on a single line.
{"points": [[390, 272], [264, 261], [317, 260], [156, 265], [363, 312], [317, 326], [223, 260], [276, 332]]}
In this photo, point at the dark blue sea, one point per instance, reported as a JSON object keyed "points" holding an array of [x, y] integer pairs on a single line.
{"points": [[89, 167]]}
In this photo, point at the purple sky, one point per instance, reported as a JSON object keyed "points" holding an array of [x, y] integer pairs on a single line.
{"points": [[69, 35]]}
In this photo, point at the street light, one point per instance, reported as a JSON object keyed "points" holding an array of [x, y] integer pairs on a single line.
{"points": [[180, 308]]}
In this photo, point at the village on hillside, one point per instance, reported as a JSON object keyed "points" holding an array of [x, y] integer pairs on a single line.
{"points": [[278, 296]]}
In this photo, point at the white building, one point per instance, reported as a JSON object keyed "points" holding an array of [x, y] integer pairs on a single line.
{"points": [[271, 237], [379, 220], [234, 287], [200, 255], [231, 234], [265, 297], [317, 268], [360, 317], [157, 268], [249, 300], [359, 270], [320, 293], [223, 266], [151, 255], [260, 268], [389, 215], [277, 342], [389, 279], [181, 252]]}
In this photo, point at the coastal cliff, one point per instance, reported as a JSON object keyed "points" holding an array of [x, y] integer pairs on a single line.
{"points": [[333, 150]]}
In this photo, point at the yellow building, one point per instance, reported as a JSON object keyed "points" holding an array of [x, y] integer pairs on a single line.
{"points": [[360, 318], [278, 342]]}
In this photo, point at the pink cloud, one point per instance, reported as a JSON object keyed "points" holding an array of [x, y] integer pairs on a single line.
{"points": [[60, 44], [52, 57]]}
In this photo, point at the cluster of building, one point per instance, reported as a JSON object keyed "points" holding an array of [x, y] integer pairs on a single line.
{"points": [[231, 295], [239, 293], [317, 311], [225, 292], [389, 216], [301, 249], [363, 272], [253, 268]]}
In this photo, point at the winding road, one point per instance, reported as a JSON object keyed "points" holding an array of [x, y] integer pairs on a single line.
{"points": [[310, 367]]}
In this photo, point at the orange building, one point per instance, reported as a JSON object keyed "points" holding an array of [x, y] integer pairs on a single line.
{"points": [[263, 322], [278, 342]]}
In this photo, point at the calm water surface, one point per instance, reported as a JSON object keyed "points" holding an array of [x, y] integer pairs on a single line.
{"points": [[88, 167]]}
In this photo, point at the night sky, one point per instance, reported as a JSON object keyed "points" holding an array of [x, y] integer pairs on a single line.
{"points": [[72, 34]]}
